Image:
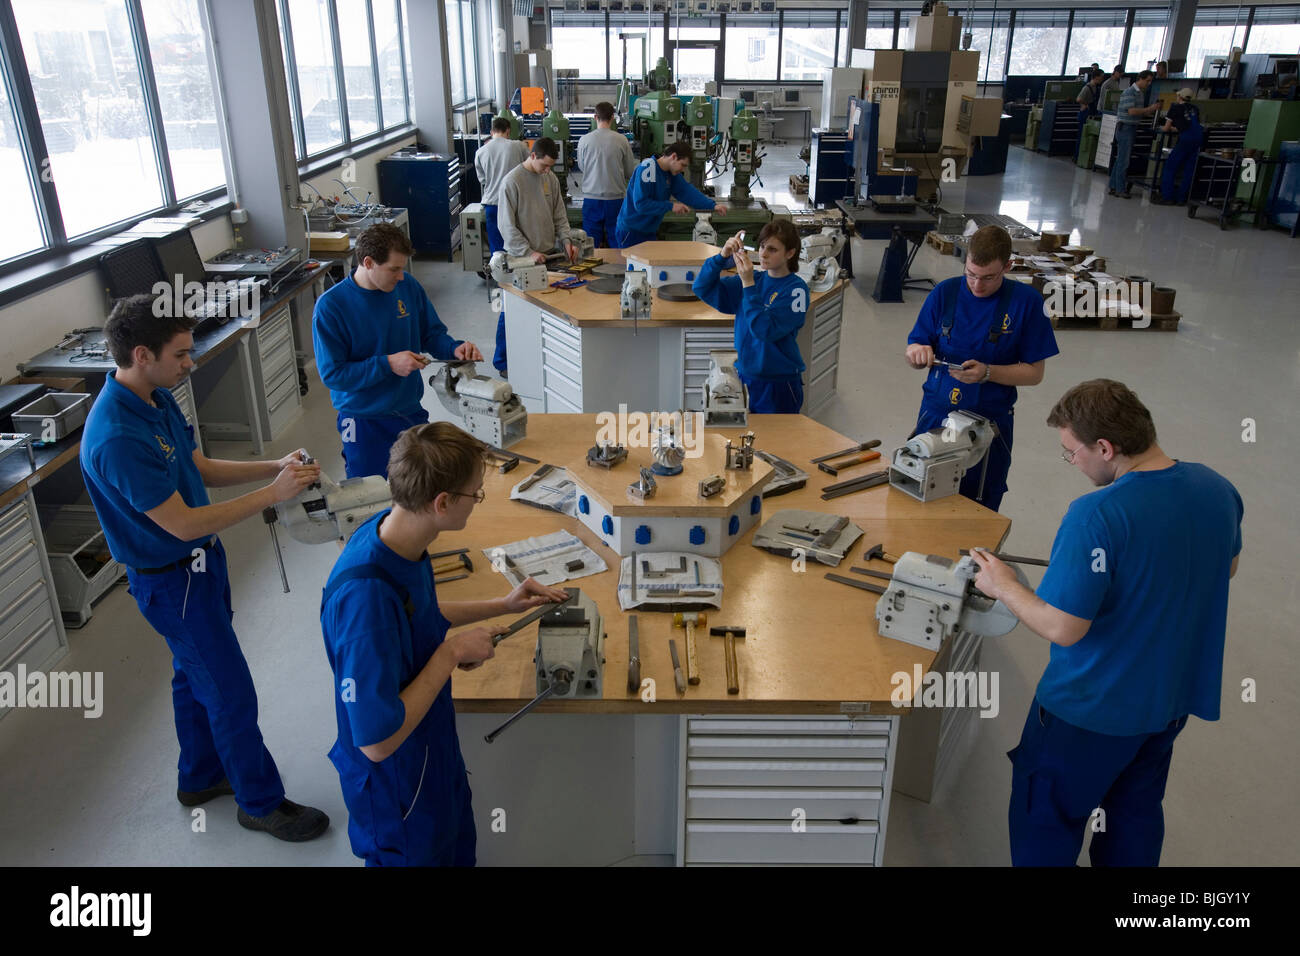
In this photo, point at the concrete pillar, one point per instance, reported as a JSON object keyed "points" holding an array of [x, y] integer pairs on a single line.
{"points": [[857, 32], [430, 64], [246, 42], [1182, 15]]}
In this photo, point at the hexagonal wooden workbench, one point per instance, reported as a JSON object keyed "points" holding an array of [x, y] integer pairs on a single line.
{"points": [[571, 351]]}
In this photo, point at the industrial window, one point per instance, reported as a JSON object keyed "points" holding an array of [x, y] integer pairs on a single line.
{"points": [[1038, 44], [578, 43], [1097, 37], [1146, 39], [1215, 32], [880, 33], [352, 52], [1275, 30], [462, 51], [633, 26], [751, 46], [807, 43], [989, 36], [24, 232]]}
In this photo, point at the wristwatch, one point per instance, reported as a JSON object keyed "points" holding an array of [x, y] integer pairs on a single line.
{"points": [[988, 370]]}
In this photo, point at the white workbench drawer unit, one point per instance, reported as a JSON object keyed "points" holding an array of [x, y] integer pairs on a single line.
{"points": [[561, 365], [31, 632], [820, 347], [278, 370], [184, 395], [785, 790]]}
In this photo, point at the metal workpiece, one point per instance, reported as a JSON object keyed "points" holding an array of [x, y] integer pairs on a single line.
{"points": [[645, 487], [533, 615], [740, 457], [788, 476], [823, 538], [605, 455], [633, 656], [712, 485]]}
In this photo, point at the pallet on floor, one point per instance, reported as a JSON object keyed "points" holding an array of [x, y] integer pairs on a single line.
{"points": [[799, 185], [943, 246], [1159, 323]]}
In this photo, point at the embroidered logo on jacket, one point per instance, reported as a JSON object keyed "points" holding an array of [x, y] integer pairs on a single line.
{"points": [[401, 309], [167, 449], [955, 396]]}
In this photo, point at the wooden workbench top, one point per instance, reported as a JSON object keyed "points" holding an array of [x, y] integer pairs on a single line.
{"points": [[671, 253], [812, 644], [583, 308]]}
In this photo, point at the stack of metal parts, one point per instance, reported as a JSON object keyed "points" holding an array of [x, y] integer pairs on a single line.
{"points": [[822, 537]]}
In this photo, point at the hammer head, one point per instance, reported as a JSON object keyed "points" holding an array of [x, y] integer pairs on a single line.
{"points": [[727, 631], [689, 617], [875, 551]]}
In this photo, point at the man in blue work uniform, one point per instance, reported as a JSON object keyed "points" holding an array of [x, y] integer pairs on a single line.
{"points": [[1135, 603], [371, 333], [386, 635], [1132, 111], [146, 479], [1185, 117], [770, 308], [996, 335], [657, 188]]}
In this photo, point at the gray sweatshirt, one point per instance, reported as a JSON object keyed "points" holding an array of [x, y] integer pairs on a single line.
{"points": [[531, 214], [493, 160], [607, 164]]}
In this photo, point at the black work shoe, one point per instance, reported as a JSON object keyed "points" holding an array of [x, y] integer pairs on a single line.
{"points": [[291, 822], [193, 798]]}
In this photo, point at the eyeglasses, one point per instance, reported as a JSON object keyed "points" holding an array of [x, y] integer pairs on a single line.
{"points": [[1068, 456], [974, 278], [478, 496]]}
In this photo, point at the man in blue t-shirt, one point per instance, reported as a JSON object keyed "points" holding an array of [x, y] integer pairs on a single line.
{"points": [[386, 635], [996, 335], [146, 479], [371, 332], [656, 188], [1135, 603]]}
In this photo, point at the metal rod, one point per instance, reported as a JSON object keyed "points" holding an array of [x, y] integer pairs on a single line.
{"points": [[1014, 559], [512, 454], [279, 558], [839, 578], [534, 615], [550, 689]]}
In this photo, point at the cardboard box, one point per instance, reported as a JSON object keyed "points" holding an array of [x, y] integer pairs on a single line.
{"points": [[980, 115], [54, 383], [964, 65], [936, 33], [328, 241]]}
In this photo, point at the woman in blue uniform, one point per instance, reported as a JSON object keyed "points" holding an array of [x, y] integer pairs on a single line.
{"points": [[996, 335], [770, 307], [387, 639]]}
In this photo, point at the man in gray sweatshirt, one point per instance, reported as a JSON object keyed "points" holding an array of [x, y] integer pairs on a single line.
{"points": [[533, 220], [494, 159], [606, 160]]}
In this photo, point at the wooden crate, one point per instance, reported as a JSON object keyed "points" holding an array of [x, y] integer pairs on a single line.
{"points": [[799, 185], [1159, 323], [943, 246]]}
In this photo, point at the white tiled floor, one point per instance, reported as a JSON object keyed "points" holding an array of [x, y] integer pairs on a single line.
{"points": [[75, 791]]}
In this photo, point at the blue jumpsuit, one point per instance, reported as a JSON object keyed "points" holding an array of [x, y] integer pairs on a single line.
{"points": [[381, 623], [1146, 560], [1004, 328], [1182, 158], [650, 195], [354, 331], [769, 315], [135, 456]]}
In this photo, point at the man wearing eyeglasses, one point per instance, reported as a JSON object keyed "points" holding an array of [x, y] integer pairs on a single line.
{"points": [[981, 337], [388, 641], [1135, 603]]}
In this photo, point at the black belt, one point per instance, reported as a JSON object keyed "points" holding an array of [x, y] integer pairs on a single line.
{"points": [[180, 563]]}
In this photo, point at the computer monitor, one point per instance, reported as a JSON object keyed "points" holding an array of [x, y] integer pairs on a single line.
{"points": [[131, 269], [792, 96], [747, 96], [178, 255]]}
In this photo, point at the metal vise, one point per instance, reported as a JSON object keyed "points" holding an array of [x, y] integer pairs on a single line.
{"points": [[634, 300], [726, 399], [932, 464], [491, 410], [930, 598], [819, 254], [520, 272]]}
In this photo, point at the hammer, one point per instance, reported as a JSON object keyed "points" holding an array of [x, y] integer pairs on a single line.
{"points": [[733, 674], [878, 551], [688, 620]]}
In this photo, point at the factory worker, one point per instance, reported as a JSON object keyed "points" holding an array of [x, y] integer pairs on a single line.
{"points": [[146, 478], [388, 642], [533, 219], [996, 335], [606, 160], [770, 305], [657, 188], [1135, 604], [371, 331], [493, 161]]}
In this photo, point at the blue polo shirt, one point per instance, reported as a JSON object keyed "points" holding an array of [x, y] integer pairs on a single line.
{"points": [[1146, 560], [355, 330], [984, 331], [134, 457]]}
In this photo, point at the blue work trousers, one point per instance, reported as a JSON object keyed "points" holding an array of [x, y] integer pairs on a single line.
{"points": [[495, 242], [1062, 775], [1120, 154], [367, 441], [1181, 164], [213, 698], [774, 396], [600, 221]]}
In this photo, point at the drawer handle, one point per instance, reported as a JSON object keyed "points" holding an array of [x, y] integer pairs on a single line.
{"points": [[17, 556], [36, 586], [40, 632]]}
